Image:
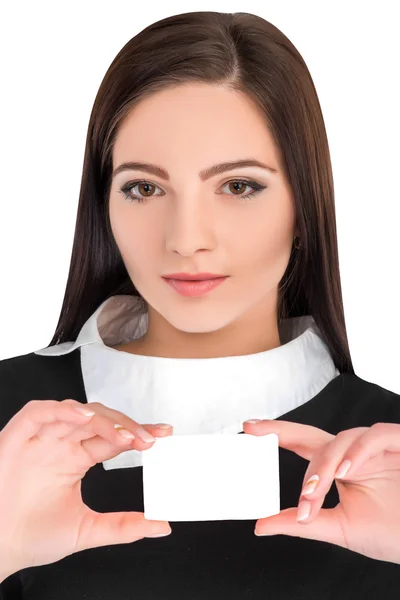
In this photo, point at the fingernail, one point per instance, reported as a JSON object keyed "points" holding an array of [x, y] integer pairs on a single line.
{"points": [[145, 436], [163, 425], [84, 411], [125, 432], [311, 485], [303, 511], [343, 469], [253, 421], [159, 534]]}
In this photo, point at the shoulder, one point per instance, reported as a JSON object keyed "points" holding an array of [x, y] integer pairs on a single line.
{"points": [[35, 377], [33, 368], [13, 372], [369, 400]]}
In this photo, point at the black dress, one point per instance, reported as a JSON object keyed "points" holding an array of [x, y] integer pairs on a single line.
{"points": [[212, 559]]}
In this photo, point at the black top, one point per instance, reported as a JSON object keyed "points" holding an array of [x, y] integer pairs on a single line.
{"points": [[210, 559]]}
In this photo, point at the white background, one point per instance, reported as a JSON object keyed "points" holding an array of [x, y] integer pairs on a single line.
{"points": [[53, 58]]}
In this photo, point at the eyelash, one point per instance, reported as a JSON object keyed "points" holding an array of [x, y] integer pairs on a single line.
{"points": [[125, 190]]}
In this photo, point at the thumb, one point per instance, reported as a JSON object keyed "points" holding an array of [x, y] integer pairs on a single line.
{"points": [[103, 529], [325, 527]]}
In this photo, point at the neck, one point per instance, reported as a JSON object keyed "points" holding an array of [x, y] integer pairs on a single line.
{"points": [[251, 334]]}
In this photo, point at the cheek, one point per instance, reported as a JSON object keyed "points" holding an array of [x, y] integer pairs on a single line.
{"points": [[268, 240], [131, 239], [139, 246], [265, 253]]}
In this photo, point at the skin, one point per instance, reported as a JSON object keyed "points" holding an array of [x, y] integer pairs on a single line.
{"points": [[191, 225]]}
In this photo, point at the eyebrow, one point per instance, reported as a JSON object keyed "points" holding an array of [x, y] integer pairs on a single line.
{"points": [[205, 174]]}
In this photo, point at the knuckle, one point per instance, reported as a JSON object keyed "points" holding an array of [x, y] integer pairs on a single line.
{"points": [[97, 404], [32, 404], [379, 427], [342, 435], [38, 405], [75, 403], [70, 402]]}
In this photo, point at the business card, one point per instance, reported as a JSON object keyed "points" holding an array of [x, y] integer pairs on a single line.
{"points": [[211, 477]]}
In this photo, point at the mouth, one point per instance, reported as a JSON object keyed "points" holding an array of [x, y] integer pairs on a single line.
{"points": [[194, 287], [194, 276]]}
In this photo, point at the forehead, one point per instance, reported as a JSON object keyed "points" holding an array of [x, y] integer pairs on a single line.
{"points": [[202, 121]]}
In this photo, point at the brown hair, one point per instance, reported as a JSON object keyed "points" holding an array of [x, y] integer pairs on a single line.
{"points": [[240, 51]]}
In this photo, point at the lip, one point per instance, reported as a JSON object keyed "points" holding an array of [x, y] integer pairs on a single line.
{"points": [[194, 288], [193, 276]]}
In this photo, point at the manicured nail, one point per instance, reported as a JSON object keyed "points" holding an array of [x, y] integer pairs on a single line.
{"points": [[84, 411], [343, 469], [311, 485], [163, 425], [303, 511], [125, 432], [253, 421], [145, 436]]}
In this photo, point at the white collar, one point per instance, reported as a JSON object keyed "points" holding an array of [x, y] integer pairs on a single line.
{"points": [[195, 395]]}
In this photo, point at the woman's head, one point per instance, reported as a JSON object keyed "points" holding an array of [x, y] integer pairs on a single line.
{"points": [[186, 93], [242, 228]]}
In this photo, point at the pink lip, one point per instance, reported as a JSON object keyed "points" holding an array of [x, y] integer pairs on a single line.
{"points": [[194, 288], [194, 276]]}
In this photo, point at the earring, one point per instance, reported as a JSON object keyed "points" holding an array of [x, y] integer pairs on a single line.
{"points": [[297, 244]]}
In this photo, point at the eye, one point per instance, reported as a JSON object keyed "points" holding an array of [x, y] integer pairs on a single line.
{"points": [[243, 183], [129, 197]]}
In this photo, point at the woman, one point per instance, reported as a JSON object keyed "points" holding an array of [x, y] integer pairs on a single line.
{"points": [[206, 155]]}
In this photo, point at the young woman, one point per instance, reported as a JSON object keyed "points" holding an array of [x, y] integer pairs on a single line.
{"points": [[206, 159]]}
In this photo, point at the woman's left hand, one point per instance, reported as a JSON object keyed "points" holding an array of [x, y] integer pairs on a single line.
{"points": [[367, 518]]}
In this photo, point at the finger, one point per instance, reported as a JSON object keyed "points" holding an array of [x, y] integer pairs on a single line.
{"points": [[159, 429], [304, 440], [101, 412], [326, 527], [60, 429], [108, 441], [141, 432], [100, 449], [87, 431], [380, 437], [104, 529], [27, 422], [112, 432], [321, 473], [76, 431]]}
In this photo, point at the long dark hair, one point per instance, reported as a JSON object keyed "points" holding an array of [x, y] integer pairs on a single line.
{"points": [[243, 52]]}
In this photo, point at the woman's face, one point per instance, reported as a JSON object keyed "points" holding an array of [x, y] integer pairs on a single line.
{"points": [[192, 223]]}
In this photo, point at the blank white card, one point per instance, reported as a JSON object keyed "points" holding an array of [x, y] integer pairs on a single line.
{"points": [[211, 477]]}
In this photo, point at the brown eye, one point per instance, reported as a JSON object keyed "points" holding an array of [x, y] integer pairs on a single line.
{"points": [[144, 188], [238, 184]]}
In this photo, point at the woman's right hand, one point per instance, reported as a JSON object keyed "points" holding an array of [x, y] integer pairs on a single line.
{"points": [[45, 450]]}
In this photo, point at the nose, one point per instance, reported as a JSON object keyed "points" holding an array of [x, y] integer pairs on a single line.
{"points": [[190, 226]]}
